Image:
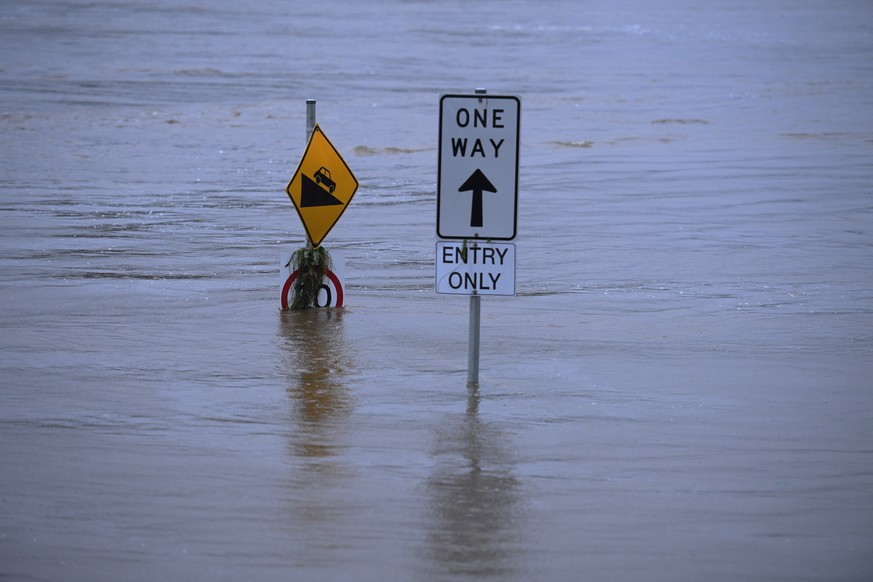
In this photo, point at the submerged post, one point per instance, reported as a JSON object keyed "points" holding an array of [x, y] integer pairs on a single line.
{"points": [[320, 189], [473, 342], [310, 262], [473, 335], [477, 219]]}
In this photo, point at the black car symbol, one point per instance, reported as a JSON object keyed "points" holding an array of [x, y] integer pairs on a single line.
{"points": [[322, 176]]}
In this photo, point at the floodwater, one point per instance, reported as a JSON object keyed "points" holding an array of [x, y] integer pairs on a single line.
{"points": [[680, 390]]}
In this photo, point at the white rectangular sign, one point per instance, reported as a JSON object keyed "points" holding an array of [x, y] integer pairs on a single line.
{"points": [[477, 175], [475, 268]]}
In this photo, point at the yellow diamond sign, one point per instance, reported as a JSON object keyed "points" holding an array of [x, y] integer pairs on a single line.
{"points": [[322, 187]]}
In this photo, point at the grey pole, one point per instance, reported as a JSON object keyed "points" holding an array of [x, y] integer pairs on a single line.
{"points": [[473, 335], [310, 127], [310, 118], [473, 341]]}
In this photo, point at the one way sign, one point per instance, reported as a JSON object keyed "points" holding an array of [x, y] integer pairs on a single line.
{"points": [[477, 178]]}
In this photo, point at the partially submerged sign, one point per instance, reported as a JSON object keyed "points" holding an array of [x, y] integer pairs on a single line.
{"points": [[322, 187], [476, 268], [477, 176], [332, 289]]}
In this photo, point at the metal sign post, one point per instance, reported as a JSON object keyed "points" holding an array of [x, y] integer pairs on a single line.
{"points": [[473, 333], [477, 202], [321, 188], [310, 119], [310, 126], [473, 341]]}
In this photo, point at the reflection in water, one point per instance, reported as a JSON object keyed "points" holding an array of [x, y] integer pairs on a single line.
{"points": [[315, 360], [475, 524]]}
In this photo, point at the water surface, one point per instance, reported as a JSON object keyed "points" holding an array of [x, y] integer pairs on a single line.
{"points": [[679, 390]]}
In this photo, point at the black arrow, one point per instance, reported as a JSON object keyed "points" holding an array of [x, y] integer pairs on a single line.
{"points": [[477, 182]]}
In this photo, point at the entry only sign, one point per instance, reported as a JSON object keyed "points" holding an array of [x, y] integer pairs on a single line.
{"points": [[477, 177], [475, 268]]}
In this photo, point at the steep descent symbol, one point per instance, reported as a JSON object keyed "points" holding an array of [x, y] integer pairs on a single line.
{"points": [[322, 187], [477, 182], [318, 192]]}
